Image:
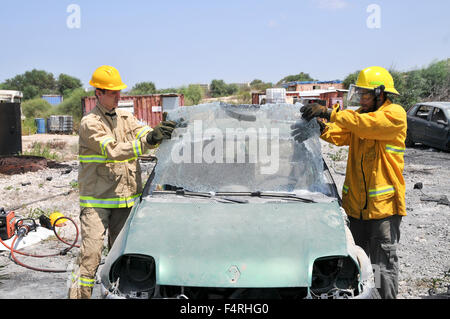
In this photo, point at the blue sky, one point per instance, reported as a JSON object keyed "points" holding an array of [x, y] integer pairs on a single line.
{"points": [[174, 43]]}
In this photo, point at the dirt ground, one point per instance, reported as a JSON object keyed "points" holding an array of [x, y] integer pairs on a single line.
{"points": [[424, 249]]}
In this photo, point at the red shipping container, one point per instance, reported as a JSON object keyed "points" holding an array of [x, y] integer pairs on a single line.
{"points": [[256, 97], [146, 108]]}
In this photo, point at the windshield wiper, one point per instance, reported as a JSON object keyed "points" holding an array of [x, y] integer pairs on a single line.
{"points": [[212, 195], [224, 195], [268, 194]]}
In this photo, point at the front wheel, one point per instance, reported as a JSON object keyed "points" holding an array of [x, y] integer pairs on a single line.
{"points": [[409, 141]]}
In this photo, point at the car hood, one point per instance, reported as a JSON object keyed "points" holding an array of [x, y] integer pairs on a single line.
{"points": [[232, 245]]}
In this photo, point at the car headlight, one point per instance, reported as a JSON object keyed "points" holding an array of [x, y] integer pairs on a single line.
{"points": [[134, 276], [334, 277]]}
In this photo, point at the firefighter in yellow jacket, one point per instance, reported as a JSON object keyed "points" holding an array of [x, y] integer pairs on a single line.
{"points": [[373, 194], [110, 141]]}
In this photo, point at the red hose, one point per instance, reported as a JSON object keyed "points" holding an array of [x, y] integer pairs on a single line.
{"points": [[60, 239], [30, 267], [41, 256]]}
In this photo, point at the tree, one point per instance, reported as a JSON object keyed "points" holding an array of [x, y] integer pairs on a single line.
{"points": [[32, 83], [66, 84], [414, 88], [168, 90], [193, 94], [426, 84], [72, 105], [297, 77], [400, 85], [437, 81], [256, 82], [350, 79], [218, 88], [232, 89], [143, 88], [259, 85]]}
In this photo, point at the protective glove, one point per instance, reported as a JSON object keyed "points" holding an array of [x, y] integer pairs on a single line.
{"points": [[321, 126], [313, 110], [160, 132], [303, 130]]}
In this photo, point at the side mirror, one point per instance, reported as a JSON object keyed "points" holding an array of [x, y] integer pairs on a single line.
{"points": [[442, 122]]}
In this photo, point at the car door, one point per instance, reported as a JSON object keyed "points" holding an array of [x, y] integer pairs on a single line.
{"points": [[418, 122], [437, 128]]}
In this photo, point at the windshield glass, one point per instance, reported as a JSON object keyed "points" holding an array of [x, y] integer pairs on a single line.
{"points": [[229, 148]]}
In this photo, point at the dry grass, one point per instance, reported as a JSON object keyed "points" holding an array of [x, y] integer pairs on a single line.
{"points": [[56, 144]]}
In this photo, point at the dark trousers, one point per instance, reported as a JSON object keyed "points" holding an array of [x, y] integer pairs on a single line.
{"points": [[379, 238]]}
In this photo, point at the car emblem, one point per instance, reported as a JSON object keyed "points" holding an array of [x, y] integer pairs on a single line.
{"points": [[233, 274]]}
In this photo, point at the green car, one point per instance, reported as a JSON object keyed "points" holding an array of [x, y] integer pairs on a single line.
{"points": [[236, 208]]}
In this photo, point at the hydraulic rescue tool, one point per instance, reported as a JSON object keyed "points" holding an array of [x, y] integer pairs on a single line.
{"points": [[7, 224], [24, 226], [13, 226]]}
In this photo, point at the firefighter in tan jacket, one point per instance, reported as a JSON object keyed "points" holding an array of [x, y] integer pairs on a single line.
{"points": [[110, 141]]}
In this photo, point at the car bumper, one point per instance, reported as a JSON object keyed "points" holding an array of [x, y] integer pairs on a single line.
{"points": [[367, 293]]}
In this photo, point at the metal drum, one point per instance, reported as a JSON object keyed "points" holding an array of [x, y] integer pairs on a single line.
{"points": [[40, 124]]}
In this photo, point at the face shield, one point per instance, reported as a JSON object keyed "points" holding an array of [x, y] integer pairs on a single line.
{"points": [[356, 94]]}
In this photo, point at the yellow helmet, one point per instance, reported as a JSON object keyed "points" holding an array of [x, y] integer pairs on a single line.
{"points": [[54, 216], [107, 77], [374, 76]]}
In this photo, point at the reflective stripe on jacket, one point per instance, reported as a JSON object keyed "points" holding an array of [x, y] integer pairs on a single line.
{"points": [[374, 187], [110, 174]]}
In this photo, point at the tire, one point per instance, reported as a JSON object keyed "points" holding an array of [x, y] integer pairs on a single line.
{"points": [[409, 141]]}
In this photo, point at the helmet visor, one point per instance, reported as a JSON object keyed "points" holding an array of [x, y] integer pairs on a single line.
{"points": [[356, 94]]}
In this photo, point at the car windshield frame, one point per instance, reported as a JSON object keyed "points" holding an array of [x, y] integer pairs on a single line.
{"points": [[246, 114]]}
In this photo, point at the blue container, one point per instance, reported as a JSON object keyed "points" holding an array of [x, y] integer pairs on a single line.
{"points": [[53, 99], [40, 124]]}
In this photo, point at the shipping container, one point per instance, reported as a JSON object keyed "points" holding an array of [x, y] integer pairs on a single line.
{"points": [[52, 99], [147, 109], [10, 129], [258, 97]]}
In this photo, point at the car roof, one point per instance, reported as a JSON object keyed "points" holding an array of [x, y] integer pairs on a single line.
{"points": [[444, 105]]}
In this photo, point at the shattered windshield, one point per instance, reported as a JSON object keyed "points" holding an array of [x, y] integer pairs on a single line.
{"points": [[228, 148]]}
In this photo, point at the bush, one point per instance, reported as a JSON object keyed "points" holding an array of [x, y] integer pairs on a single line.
{"points": [[431, 83], [36, 108], [244, 97], [193, 94], [72, 105], [38, 149], [297, 77], [437, 81], [259, 85], [143, 88], [219, 88], [29, 126]]}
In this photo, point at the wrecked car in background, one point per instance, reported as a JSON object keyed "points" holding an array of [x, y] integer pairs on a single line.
{"points": [[235, 208], [428, 124]]}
